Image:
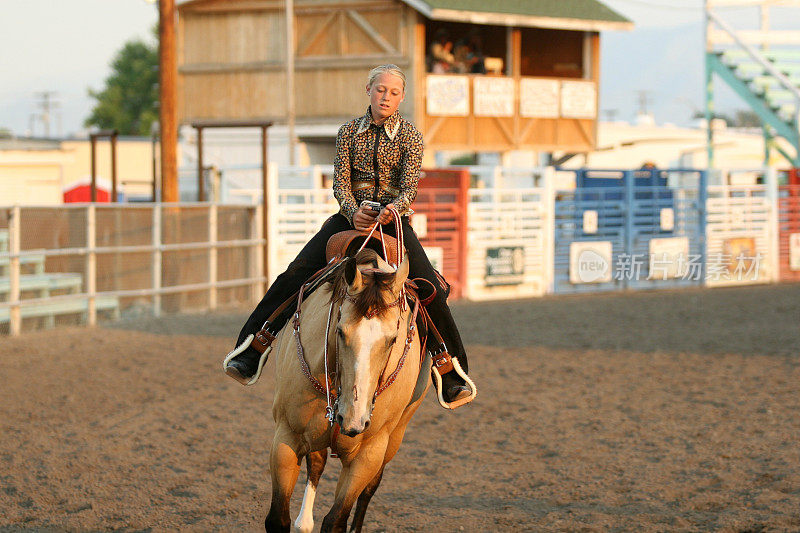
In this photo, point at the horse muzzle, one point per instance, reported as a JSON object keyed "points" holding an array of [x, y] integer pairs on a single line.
{"points": [[352, 428]]}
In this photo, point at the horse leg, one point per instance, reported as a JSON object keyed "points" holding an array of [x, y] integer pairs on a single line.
{"points": [[363, 502], [355, 476], [284, 467], [315, 464], [395, 439]]}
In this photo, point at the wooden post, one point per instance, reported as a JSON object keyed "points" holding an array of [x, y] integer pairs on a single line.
{"points": [[93, 144], [168, 111], [91, 264], [212, 256], [153, 144], [201, 192], [13, 271], [265, 201], [271, 222], [290, 101], [156, 260], [114, 166], [258, 260]]}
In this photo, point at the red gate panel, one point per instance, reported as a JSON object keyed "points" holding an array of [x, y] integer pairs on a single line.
{"points": [[442, 198], [788, 223]]}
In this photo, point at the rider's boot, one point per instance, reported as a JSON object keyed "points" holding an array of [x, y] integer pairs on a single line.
{"points": [[454, 387], [246, 361]]}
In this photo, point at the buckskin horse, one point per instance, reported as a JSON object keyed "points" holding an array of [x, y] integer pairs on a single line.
{"points": [[350, 373]]}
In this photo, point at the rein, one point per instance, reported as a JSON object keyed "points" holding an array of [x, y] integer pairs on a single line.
{"points": [[331, 389]]}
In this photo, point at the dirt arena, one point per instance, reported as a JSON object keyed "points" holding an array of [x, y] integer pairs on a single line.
{"points": [[668, 411]]}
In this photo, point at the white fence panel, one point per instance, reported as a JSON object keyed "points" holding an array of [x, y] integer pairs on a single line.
{"points": [[509, 233], [738, 236]]}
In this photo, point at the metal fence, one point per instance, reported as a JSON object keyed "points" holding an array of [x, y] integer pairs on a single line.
{"points": [[76, 262]]}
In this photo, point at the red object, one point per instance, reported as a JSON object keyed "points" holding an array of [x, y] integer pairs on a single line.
{"points": [[788, 223], [82, 192], [794, 176], [442, 198]]}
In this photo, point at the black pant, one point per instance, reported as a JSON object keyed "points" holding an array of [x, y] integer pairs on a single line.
{"points": [[312, 258]]}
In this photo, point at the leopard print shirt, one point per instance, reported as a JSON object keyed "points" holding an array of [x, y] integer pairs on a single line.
{"points": [[399, 158]]}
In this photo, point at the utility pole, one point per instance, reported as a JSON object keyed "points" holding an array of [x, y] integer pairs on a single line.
{"points": [[643, 99], [290, 104], [168, 111], [46, 103]]}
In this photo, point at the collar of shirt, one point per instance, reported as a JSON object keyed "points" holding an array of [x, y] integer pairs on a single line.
{"points": [[391, 125]]}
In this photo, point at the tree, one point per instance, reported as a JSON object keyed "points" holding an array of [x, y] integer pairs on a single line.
{"points": [[745, 118], [129, 101]]}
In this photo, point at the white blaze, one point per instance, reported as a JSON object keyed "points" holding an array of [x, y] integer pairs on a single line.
{"points": [[369, 332]]}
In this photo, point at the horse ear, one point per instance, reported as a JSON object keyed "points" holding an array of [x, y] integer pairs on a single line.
{"points": [[351, 274], [401, 275]]}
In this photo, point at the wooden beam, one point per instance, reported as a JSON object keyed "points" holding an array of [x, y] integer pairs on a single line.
{"points": [[362, 23], [586, 133], [168, 98], [418, 53], [527, 130], [213, 68], [290, 70], [301, 63], [504, 129], [272, 5], [510, 19], [315, 35], [337, 62], [431, 132]]}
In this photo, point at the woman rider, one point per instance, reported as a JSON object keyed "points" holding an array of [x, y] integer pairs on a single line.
{"points": [[378, 158]]}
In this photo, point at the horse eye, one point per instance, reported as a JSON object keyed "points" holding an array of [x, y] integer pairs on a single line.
{"points": [[339, 332], [391, 341]]}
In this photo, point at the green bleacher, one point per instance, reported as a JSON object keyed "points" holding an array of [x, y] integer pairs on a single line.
{"points": [[37, 283]]}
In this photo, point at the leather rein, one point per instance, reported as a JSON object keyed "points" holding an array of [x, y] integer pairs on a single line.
{"points": [[332, 387]]}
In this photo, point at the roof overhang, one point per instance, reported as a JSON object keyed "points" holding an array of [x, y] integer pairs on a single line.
{"points": [[510, 19]]}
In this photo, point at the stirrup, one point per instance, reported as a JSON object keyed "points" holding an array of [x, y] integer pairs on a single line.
{"points": [[236, 351], [457, 369]]}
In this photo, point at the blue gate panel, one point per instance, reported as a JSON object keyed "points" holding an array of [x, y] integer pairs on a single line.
{"points": [[629, 206]]}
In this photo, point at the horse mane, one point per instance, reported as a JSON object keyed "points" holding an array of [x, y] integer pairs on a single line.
{"points": [[376, 284]]}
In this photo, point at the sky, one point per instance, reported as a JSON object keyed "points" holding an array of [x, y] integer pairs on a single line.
{"points": [[67, 47]]}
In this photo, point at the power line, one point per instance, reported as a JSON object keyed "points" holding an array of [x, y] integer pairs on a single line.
{"points": [[47, 105]]}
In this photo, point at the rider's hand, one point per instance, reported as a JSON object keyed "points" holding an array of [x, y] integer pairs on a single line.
{"points": [[385, 216], [364, 219]]}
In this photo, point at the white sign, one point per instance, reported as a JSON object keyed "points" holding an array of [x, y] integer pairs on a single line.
{"points": [[667, 219], [668, 257], [590, 262], [538, 98], [419, 221], [794, 251], [494, 97], [448, 95], [435, 256], [590, 221], [578, 99]]}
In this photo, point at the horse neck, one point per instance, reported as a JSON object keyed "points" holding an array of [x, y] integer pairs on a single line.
{"points": [[313, 322]]}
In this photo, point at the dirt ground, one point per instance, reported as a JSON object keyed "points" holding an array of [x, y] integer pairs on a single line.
{"points": [[667, 411]]}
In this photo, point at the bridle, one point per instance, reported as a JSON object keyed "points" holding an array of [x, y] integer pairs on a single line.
{"points": [[332, 388]]}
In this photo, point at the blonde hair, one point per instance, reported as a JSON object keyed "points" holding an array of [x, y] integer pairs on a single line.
{"points": [[389, 68]]}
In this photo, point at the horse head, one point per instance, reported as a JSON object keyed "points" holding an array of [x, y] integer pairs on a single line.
{"points": [[368, 330]]}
